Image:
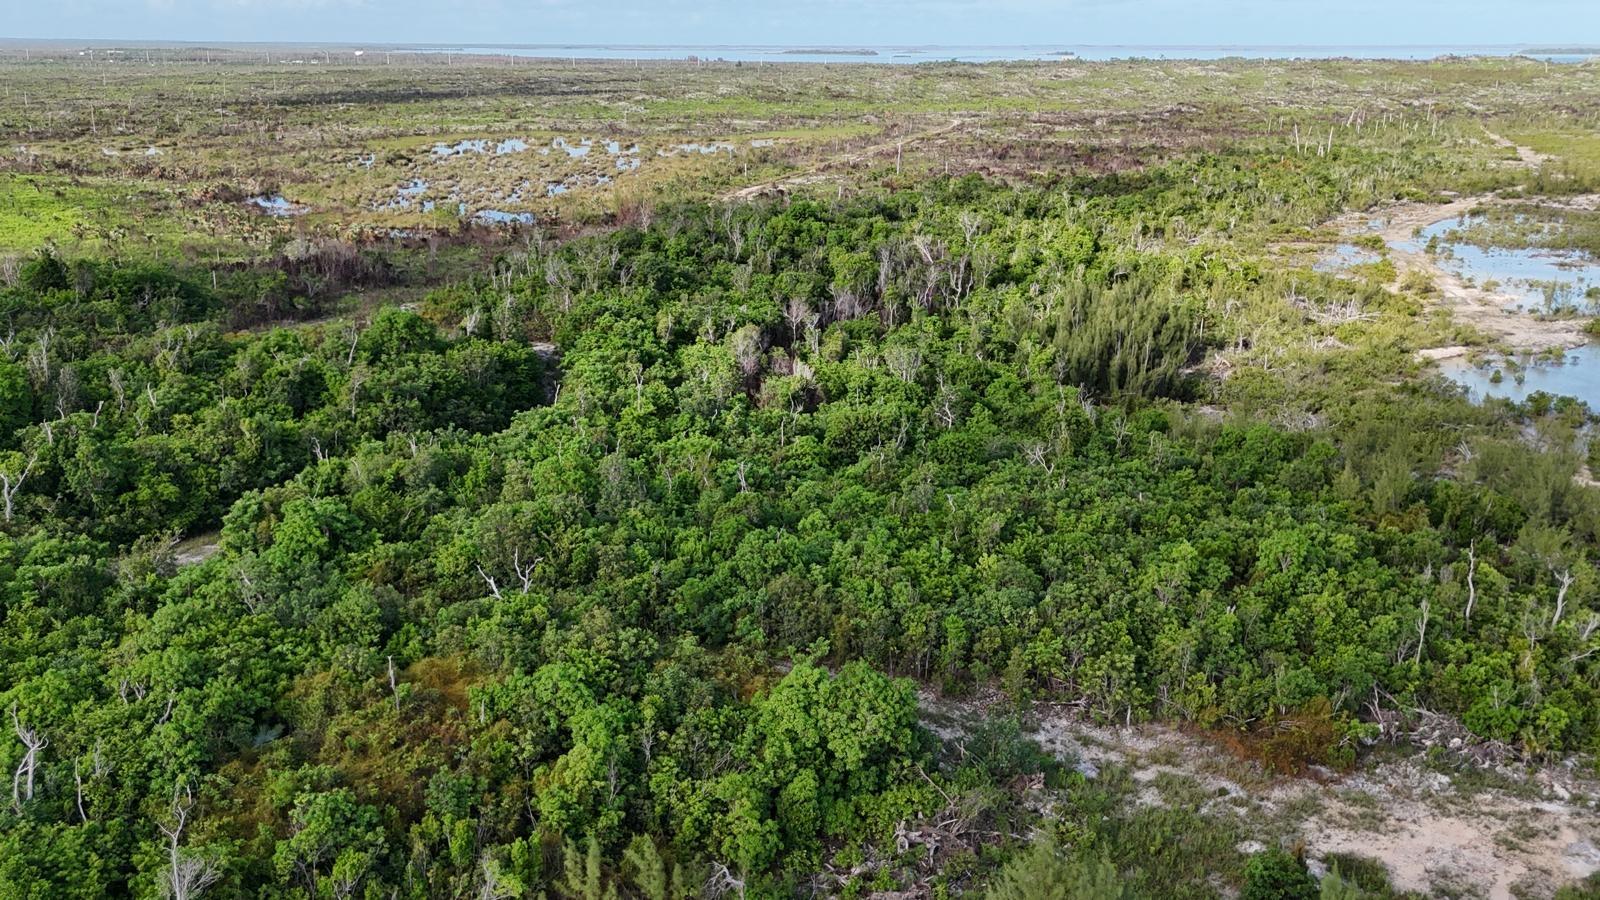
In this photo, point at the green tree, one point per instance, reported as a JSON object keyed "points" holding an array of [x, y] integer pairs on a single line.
{"points": [[1276, 874]]}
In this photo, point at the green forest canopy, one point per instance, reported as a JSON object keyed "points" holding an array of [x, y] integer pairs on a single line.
{"points": [[484, 619]]}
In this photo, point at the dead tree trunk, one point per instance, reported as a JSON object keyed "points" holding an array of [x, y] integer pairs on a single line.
{"points": [[22, 779], [186, 876]]}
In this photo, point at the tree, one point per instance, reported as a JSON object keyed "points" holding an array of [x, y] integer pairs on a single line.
{"points": [[1044, 872], [333, 837], [22, 780], [14, 473], [1275, 874], [186, 875]]}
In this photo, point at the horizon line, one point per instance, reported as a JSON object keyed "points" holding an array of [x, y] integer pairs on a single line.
{"points": [[811, 45]]}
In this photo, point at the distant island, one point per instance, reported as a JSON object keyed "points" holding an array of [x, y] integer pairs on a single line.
{"points": [[1564, 51], [829, 51]]}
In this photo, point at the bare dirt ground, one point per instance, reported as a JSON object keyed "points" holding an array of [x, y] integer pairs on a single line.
{"points": [[196, 549], [896, 145], [1508, 832]]}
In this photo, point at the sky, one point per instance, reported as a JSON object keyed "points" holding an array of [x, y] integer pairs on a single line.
{"points": [[811, 22]]}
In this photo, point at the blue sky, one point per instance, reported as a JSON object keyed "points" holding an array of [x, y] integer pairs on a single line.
{"points": [[815, 21]]}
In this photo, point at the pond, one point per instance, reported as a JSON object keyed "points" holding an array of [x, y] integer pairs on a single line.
{"points": [[1344, 257], [702, 149], [1576, 375], [276, 205], [576, 151], [461, 148], [479, 146], [502, 217], [405, 194]]}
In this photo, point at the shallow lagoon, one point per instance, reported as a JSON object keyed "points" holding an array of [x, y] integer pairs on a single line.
{"points": [[1541, 280]]}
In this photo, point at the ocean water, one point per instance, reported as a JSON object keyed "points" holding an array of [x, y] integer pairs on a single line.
{"points": [[982, 54]]}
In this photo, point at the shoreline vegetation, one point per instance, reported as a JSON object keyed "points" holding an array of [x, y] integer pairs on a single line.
{"points": [[462, 475]]}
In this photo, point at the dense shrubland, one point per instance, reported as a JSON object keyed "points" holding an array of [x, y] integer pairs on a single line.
{"points": [[648, 632]]}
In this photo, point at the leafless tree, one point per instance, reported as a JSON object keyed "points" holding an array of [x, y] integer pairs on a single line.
{"points": [[944, 404], [248, 593], [494, 587], [493, 887], [1037, 454], [903, 362], [186, 876], [39, 358], [126, 687], [636, 369], [524, 571], [798, 314], [747, 346], [166, 714], [971, 223], [22, 779], [66, 391], [119, 388], [11, 483], [394, 685], [1472, 585], [77, 779], [358, 377], [1422, 631], [1586, 632], [723, 882], [1564, 583]]}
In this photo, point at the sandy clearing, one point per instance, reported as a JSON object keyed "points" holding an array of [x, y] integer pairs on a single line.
{"points": [[1435, 354], [196, 549], [1431, 834]]}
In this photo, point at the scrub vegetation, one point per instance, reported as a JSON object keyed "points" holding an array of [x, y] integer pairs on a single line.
{"points": [[748, 516]]}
